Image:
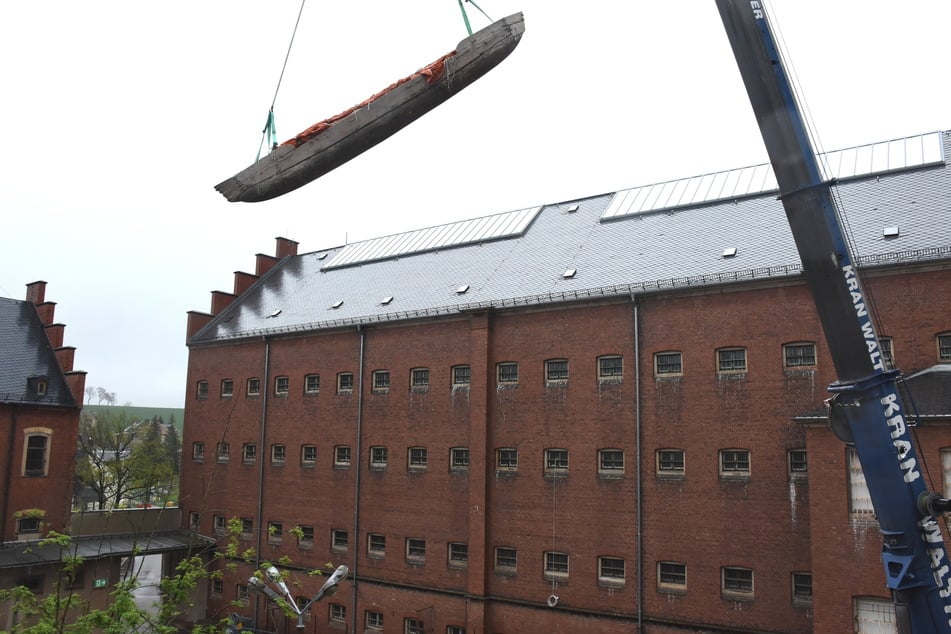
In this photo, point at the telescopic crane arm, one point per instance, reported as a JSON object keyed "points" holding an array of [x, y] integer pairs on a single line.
{"points": [[865, 396]]}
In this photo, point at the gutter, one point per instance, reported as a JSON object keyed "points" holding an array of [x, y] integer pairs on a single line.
{"points": [[259, 515], [639, 511], [358, 452]]}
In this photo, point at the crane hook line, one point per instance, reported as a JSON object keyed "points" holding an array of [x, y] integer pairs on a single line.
{"points": [[270, 127]]}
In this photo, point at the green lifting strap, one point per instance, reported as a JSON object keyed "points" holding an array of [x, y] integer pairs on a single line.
{"points": [[465, 17], [269, 132]]}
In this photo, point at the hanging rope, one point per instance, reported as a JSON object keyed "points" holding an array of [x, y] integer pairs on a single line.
{"points": [[269, 134]]}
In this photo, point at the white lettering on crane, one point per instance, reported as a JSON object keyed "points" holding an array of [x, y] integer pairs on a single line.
{"points": [[939, 562], [757, 9], [896, 422], [858, 302]]}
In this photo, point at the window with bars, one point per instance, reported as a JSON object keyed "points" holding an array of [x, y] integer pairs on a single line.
{"points": [[556, 462], [885, 344], [799, 355], [417, 459], [610, 368], [219, 524], [201, 389], [461, 375], [611, 463], [374, 620], [944, 347], [378, 457], [278, 454], [339, 540], [338, 613], [459, 459], [282, 386], [376, 545], [670, 463], [556, 564], [668, 364], [798, 463], [227, 388], [198, 451], [506, 459], [223, 452], [308, 455], [734, 463], [254, 386], [556, 371], [506, 558], [306, 537], [731, 360], [415, 549], [611, 570], [249, 453], [275, 532], [312, 384], [736, 583], [860, 500], [419, 378], [342, 456], [413, 626], [507, 373], [345, 383], [802, 588], [381, 381], [458, 555], [671, 576], [247, 528], [872, 615]]}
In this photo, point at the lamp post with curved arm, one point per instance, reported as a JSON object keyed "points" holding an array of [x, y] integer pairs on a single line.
{"points": [[257, 584]]}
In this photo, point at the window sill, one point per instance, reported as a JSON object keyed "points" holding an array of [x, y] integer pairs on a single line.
{"points": [[556, 474], [739, 478], [281, 395], [502, 571], [340, 550], [419, 388], [458, 565], [611, 583], [277, 463], [345, 392], [375, 554], [416, 470], [341, 467], [506, 473], [744, 597], [309, 466], [378, 467], [507, 385], [731, 376], [248, 461], [671, 477], [672, 589], [609, 475], [459, 470], [198, 459], [305, 545], [380, 390], [611, 380], [416, 561], [558, 577], [314, 393], [556, 383]]}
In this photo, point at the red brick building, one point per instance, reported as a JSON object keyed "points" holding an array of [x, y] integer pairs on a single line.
{"points": [[602, 415], [40, 400]]}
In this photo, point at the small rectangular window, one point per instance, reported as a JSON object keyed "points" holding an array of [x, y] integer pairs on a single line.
{"points": [[944, 348], [507, 373], [344, 382], [306, 537], [381, 381], [506, 557], [419, 378], [202, 389], [275, 532], [282, 386], [227, 388], [340, 540], [455, 629], [28, 525], [376, 545], [556, 371], [610, 463], [338, 613], [374, 620], [459, 459], [198, 451], [308, 455], [249, 453], [556, 462], [506, 459], [668, 364], [278, 454], [885, 345], [217, 587], [254, 387], [342, 456], [194, 521], [458, 555], [610, 368], [731, 360], [799, 355], [611, 570], [860, 500], [415, 549], [556, 564], [734, 463], [247, 528], [312, 384], [737, 583], [413, 626], [417, 459], [798, 463], [671, 576], [461, 375], [35, 460], [378, 457], [802, 588], [219, 524], [223, 452], [670, 462]]}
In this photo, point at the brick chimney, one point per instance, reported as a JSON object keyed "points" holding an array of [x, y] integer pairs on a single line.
{"points": [[55, 333]]}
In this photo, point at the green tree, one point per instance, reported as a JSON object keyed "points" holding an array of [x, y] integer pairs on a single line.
{"points": [[106, 441], [151, 466]]}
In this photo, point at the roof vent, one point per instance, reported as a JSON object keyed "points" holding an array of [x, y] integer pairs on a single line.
{"points": [[386, 300], [729, 252], [275, 313], [321, 256], [462, 289], [569, 273], [571, 209], [891, 232], [337, 304]]}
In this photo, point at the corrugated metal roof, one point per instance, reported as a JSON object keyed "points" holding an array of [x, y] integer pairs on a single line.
{"points": [[679, 248], [15, 554]]}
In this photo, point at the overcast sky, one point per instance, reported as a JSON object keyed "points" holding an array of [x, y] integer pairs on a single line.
{"points": [[121, 116]]}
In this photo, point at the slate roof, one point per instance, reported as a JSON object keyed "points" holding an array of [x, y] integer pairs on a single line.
{"points": [[25, 352], [662, 248]]}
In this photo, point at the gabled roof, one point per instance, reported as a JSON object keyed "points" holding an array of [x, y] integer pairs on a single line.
{"points": [[26, 353], [601, 246]]}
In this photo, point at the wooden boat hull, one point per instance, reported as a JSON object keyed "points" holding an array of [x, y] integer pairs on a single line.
{"points": [[298, 162]]}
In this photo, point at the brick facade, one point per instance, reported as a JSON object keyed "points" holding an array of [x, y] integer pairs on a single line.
{"points": [[765, 524]]}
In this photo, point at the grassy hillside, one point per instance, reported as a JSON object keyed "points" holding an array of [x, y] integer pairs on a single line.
{"points": [[168, 414]]}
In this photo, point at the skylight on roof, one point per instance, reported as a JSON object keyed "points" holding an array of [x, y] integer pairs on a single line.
{"points": [[505, 225], [866, 160]]}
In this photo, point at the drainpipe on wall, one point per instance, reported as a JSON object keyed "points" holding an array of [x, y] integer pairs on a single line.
{"points": [[4, 510], [259, 517], [639, 486], [356, 487]]}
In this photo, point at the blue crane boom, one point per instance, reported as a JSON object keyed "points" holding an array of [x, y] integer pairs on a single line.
{"points": [[866, 403]]}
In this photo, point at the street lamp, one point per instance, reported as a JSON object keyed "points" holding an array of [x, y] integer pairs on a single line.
{"points": [[329, 588]]}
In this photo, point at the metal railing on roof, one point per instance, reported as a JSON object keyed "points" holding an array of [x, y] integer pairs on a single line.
{"points": [[856, 162]]}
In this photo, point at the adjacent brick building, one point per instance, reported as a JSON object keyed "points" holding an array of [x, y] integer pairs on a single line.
{"points": [[602, 415]]}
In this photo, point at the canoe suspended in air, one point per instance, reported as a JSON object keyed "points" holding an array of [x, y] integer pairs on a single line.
{"points": [[334, 141]]}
